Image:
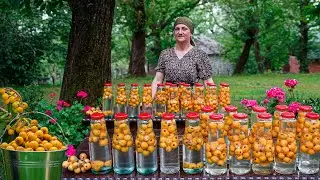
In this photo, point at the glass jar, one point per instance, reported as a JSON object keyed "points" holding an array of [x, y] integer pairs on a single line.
{"points": [[310, 145], [134, 101], [276, 119], [224, 95], [122, 145], [286, 145], [192, 145], [253, 119], [173, 105], [169, 145], [211, 96], [198, 97], [121, 99], [180, 89], [239, 148], [228, 120], [263, 147], [146, 145], [206, 111], [216, 147], [160, 101], [99, 148], [186, 100], [107, 104], [167, 89], [147, 99], [303, 110]]}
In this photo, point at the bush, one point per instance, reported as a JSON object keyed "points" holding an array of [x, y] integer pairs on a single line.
{"points": [[315, 103]]}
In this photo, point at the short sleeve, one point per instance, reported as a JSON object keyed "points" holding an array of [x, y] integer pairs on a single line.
{"points": [[161, 63], [204, 67]]}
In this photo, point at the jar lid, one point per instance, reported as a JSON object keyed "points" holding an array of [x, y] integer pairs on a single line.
{"points": [[181, 83], [198, 84], [193, 115], [264, 115], [281, 107], [147, 85], [121, 84], [216, 116], [186, 85], [224, 84], [287, 115], [231, 108], [207, 109], [144, 116], [211, 84], [168, 116], [305, 108], [97, 116], [173, 85], [121, 116], [160, 85], [135, 85], [259, 109], [107, 84], [168, 83], [240, 116], [312, 115]]}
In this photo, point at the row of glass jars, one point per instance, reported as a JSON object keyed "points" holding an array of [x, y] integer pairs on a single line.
{"points": [[221, 144], [169, 98]]}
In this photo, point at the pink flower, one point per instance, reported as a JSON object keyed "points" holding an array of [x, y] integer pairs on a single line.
{"points": [[60, 103], [249, 103], [293, 107], [266, 101], [244, 102], [71, 151], [82, 94], [86, 108], [276, 93], [53, 121], [291, 83], [48, 112], [59, 108]]}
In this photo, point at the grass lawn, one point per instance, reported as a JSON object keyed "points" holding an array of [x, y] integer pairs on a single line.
{"points": [[244, 86]]}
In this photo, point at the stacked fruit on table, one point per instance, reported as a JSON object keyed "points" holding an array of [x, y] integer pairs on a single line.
{"points": [[31, 137], [77, 165]]}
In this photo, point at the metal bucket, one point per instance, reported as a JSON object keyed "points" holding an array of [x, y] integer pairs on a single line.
{"points": [[22, 165]]}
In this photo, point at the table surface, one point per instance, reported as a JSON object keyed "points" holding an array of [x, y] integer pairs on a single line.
{"points": [[84, 147]]}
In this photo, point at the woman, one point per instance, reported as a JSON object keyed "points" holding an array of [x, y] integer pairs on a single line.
{"points": [[184, 62]]}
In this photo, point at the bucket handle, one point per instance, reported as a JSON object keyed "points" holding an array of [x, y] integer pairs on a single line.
{"points": [[32, 112]]}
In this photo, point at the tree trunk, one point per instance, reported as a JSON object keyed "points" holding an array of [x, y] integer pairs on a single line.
{"points": [[303, 53], [267, 60], [244, 56], [138, 48], [258, 56], [88, 63]]}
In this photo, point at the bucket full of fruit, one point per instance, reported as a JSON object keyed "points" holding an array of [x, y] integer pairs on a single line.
{"points": [[31, 152]]}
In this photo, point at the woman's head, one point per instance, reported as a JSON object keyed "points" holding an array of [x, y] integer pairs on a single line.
{"points": [[183, 30]]}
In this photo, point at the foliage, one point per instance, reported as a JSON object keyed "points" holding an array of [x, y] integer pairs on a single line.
{"points": [[69, 117], [32, 94], [314, 102]]}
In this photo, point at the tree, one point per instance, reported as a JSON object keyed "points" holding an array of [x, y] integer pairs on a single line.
{"points": [[88, 63]]}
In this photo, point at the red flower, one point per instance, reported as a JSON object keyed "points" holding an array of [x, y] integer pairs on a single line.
{"points": [[53, 121], [82, 94], [65, 104], [52, 95]]}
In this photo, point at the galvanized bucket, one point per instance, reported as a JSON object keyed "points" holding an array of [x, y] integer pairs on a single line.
{"points": [[33, 165]]}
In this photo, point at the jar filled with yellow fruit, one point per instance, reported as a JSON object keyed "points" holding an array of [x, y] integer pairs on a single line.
{"points": [[107, 104], [206, 111], [211, 96], [122, 145], [310, 145], [286, 145], [121, 99], [160, 101], [239, 148], [263, 147], [173, 105], [216, 147], [169, 145], [228, 120], [186, 100], [253, 121], [147, 99], [198, 97], [99, 148], [134, 101], [146, 146], [224, 95], [276, 119], [303, 110], [192, 145]]}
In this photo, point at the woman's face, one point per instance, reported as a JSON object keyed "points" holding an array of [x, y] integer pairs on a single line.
{"points": [[182, 33]]}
